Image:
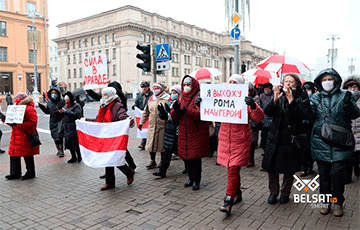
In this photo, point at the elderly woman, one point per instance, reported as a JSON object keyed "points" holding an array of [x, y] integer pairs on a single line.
{"points": [[72, 112], [193, 138], [288, 109], [111, 109], [19, 143], [156, 129], [234, 148], [337, 107]]}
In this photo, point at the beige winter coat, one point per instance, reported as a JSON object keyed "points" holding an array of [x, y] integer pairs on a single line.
{"points": [[156, 129]]}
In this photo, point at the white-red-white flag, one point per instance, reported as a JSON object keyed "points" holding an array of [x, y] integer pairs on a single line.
{"points": [[144, 129], [103, 144]]}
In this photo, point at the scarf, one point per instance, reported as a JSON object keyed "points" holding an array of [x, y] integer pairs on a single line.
{"points": [[108, 101], [104, 114]]}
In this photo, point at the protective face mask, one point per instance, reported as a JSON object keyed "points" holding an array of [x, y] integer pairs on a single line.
{"points": [[187, 89], [309, 93], [327, 85], [174, 97], [68, 103], [157, 92], [268, 93], [54, 96], [355, 93], [103, 100]]}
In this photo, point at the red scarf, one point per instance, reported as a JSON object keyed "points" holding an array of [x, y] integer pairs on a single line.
{"points": [[104, 114]]}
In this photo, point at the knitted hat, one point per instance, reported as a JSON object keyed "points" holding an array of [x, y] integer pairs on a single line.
{"points": [[157, 85], [163, 86], [187, 80], [110, 91], [268, 85], [21, 95], [177, 88], [238, 78], [351, 83]]}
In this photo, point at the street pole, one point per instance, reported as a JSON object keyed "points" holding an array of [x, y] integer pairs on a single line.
{"points": [[154, 60], [35, 92], [332, 37], [236, 48]]}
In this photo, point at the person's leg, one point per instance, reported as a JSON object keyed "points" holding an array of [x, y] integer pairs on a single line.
{"points": [[190, 165], [186, 168], [197, 169], [79, 158], [348, 171], [162, 158], [274, 187], [15, 168], [233, 185], [152, 163], [165, 165], [73, 157], [60, 147], [252, 155], [264, 133], [142, 144], [356, 163], [30, 167], [288, 180], [109, 178], [1, 151], [337, 173], [325, 183], [130, 160], [129, 172]]}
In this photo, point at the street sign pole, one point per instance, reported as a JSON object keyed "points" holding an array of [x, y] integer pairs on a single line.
{"points": [[236, 48], [154, 58]]}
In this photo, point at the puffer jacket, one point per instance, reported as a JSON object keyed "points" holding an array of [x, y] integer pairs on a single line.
{"points": [[171, 133], [140, 102], [336, 110]]}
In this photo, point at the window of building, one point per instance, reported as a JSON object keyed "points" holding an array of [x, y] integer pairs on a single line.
{"points": [[30, 6], [79, 43], [175, 71], [74, 45], [80, 58], [68, 59], [186, 71], [176, 57], [2, 5], [106, 38], [51, 59], [3, 54], [55, 69], [80, 84], [197, 60], [176, 44], [114, 53], [158, 40], [55, 59], [114, 69], [92, 41], [74, 85], [74, 58], [51, 49], [142, 37], [2, 28], [86, 54], [74, 73], [31, 56], [68, 44], [162, 40], [69, 86], [69, 74], [80, 74], [99, 51], [187, 59], [216, 64], [208, 63], [107, 54], [99, 40], [92, 53], [187, 46], [147, 38], [114, 37]]}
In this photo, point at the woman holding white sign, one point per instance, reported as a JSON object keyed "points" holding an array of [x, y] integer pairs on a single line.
{"points": [[234, 148], [20, 145]]}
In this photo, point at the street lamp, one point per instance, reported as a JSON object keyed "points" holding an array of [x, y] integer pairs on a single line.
{"points": [[333, 37], [351, 67], [32, 14]]}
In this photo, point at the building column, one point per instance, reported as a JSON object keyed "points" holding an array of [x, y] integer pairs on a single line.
{"points": [[227, 65]]}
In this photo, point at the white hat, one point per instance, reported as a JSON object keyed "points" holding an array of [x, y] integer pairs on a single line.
{"points": [[238, 78], [110, 91]]}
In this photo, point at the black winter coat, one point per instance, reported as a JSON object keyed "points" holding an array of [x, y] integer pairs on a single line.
{"points": [[280, 155], [171, 134], [55, 117], [72, 114], [139, 101]]}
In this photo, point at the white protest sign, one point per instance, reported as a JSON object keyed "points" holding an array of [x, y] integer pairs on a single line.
{"points": [[224, 103], [95, 70], [15, 114]]}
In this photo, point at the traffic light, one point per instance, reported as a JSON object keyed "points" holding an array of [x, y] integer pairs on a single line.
{"points": [[145, 57]]}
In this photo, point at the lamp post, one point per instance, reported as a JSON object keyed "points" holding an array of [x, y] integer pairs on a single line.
{"points": [[33, 14], [351, 67], [333, 37]]}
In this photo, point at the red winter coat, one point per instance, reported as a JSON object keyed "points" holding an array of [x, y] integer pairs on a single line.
{"points": [[235, 140], [19, 143], [193, 138]]}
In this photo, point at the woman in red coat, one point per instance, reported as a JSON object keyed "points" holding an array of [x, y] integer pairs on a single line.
{"points": [[19, 143], [234, 148], [193, 138]]}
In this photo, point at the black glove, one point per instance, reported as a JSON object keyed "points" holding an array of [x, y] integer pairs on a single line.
{"points": [[347, 97], [167, 108], [133, 107], [176, 106], [13, 124], [140, 126], [178, 110], [163, 114], [2, 116], [198, 100], [250, 101]]}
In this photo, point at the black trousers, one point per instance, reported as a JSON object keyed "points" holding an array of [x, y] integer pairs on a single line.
{"points": [[194, 168], [307, 161], [129, 160], [165, 163], [332, 179], [110, 173], [353, 163], [15, 165], [264, 134]]}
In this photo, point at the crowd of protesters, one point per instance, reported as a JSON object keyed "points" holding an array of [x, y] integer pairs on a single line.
{"points": [[298, 124]]}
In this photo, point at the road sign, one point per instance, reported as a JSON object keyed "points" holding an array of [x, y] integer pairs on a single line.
{"points": [[163, 52], [235, 33], [236, 18], [163, 66], [235, 42]]}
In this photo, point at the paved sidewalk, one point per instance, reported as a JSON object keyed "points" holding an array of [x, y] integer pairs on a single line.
{"points": [[68, 196]]}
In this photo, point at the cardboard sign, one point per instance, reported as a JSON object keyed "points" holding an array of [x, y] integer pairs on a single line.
{"points": [[95, 70], [15, 114], [224, 103]]}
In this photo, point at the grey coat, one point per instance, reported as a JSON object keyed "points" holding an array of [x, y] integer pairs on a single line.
{"points": [[72, 114]]}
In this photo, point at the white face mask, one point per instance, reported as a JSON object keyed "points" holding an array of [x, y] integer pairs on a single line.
{"points": [[309, 93], [187, 89], [103, 100], [157, 92], [328, 86]]}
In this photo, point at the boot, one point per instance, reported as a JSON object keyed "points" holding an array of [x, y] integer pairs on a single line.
{"points": [[2, 151], [79, 158], [151, 165], [238, 197], [159, 173], [338, 210], [325, 211], [28, 175], [252, 154], [60, 149], [73, 157], [272, 198], [130, 178], [228, 203]]}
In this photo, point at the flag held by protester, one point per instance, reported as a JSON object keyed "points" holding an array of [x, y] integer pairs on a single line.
{"points": [[144, 129], [103, 144]]}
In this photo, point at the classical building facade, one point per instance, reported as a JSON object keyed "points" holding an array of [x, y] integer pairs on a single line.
{"points": [[16, 48], [54, 69], [117, 32]]}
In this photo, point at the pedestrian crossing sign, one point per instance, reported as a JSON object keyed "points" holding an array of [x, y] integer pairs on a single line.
{"points": [[163, 52]]}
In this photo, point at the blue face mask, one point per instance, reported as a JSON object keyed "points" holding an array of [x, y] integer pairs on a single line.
{"points": [[54, 96], [174, 97]]}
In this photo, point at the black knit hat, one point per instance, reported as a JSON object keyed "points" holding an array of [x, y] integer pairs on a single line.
{"points": [[144, 84]]}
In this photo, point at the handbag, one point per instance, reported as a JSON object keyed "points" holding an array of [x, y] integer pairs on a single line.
{"points": [[33, 139], [336, 135]]}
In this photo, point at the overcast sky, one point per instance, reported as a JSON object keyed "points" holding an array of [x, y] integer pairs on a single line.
{"points": [[296, 28]]}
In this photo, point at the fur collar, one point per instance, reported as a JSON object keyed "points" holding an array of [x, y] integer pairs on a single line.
{"points": [[26, 101]]}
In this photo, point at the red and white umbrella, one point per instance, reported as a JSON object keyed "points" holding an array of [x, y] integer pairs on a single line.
{"points": [[204, 73], [259, 76], [283, 64]]}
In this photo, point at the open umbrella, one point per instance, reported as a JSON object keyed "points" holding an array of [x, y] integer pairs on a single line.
{"points": [[283, 64], [259, 76], [204, 73]]}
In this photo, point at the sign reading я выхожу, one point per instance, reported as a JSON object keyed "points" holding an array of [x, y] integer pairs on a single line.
{"points": [[224, 103]]}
